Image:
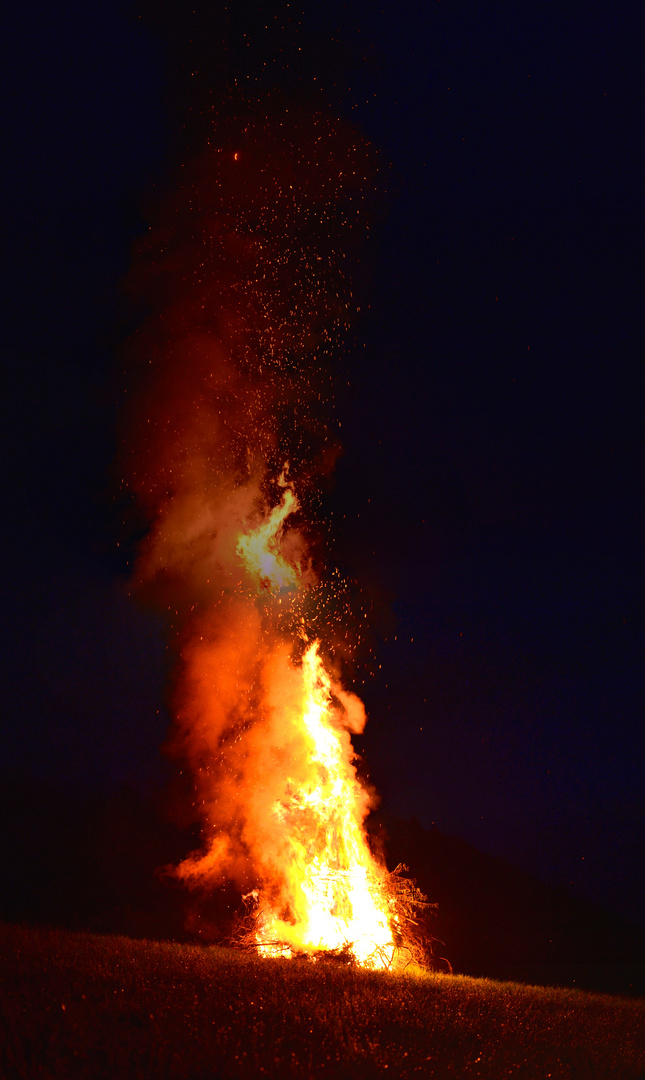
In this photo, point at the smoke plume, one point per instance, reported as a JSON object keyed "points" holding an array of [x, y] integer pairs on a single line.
{"points": [[228, 437]]}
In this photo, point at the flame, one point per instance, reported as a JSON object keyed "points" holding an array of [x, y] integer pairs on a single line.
{"points": [[301, 803], [260, 549], [331, 893], [335, 891]]}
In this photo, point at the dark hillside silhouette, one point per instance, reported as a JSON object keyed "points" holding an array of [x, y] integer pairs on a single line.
{"points": [[498, 921], [96, 864]]}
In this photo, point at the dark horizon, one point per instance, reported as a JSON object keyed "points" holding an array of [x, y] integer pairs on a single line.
{"points": [[488, 503]]}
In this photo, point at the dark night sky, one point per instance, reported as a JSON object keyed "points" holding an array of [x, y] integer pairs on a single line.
{"points": [[491, 483]]}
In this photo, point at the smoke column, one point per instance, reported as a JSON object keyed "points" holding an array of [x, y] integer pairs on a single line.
{"points": [[228, 439]]}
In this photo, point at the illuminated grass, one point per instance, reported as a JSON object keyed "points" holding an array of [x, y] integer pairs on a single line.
{"points": [[78, 1005]]}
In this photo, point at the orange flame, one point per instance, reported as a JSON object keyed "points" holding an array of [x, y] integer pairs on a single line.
{"points": [[333, 889], [260, 549], [302, 804]]}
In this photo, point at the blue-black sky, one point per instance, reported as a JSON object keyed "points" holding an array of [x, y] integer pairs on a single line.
{"points": [[490, 490]]}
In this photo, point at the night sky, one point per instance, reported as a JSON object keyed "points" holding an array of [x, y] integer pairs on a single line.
{"points": [[488, 502]]}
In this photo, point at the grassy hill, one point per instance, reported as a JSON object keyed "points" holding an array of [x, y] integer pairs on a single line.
{"points": [[77, 1005]]}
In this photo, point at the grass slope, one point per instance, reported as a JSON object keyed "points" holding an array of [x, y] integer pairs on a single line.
{"points": [[77, 1005]]}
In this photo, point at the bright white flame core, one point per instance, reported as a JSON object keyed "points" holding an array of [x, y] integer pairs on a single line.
{"points": [[337, 896]]}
